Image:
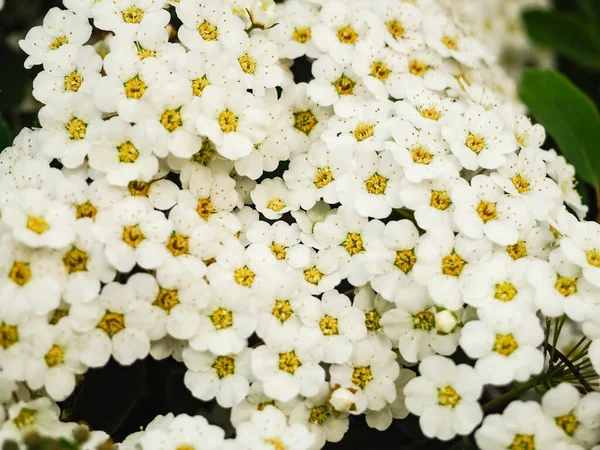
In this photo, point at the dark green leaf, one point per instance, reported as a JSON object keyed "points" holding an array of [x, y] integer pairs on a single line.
{"points": [[591, 9], [466, 443], [14, 80], [6, 136], [569, 116], [567, 34]]}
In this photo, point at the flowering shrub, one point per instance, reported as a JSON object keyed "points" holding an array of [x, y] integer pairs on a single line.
{"points": [[311, 251]]}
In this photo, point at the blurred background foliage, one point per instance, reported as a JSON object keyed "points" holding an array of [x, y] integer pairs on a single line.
{"points": [[121, 400]]}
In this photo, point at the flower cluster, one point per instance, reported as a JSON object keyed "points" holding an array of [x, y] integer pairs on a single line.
{"points": [[297, 246]]}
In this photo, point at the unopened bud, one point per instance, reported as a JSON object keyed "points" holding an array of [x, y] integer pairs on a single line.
{"points": [[81, 434], [348, 400], [445, 321]]}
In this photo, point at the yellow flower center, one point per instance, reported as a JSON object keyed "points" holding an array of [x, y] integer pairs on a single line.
{"points": [[289, 362], [55, 356], [132, 235], [58, 42], [420, 155], [417, 68], [37, 224], [566, 286], [347, 35], [138, 188], [453, 265], [487, 211], [278, 251], [520, 184], [282, 310], [73, 81], [376, 184], [144, 53], [166, 299], [372, 320], [395, 28], [431, 113], [447, 396], [451, 42], [111, 323], [25, 418], [20, 273], [568, 423], [440, 200], [380, 70], [276, 204], [171, 119], [405, 260], [424, 320], [135, 88], [247, 63], [328, 325], [323, 177], [319, 414], [228, 121], [505, 344], [178, 244], [263, 405], [198, 85], [363, 131], [353, 243], [208, 31], [86, 210], [344, 85], [523, 442], [505, 291], [221, 318], [313, 275], [302, 35], [276, 444], [224, 366], [133, 14], [75, 260], [244, 276], [9, 335], [205, 208], [206, 153], [76, 129], [518, 250], [475, 143], [186, 447], [128, 153], [305, 121], [361, 376], [593, 258]]}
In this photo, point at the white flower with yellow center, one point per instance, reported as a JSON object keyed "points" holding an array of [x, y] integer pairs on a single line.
{"points": [[55, 361], [205, 25], [202, 71], [534, 242], [581, 246], [371, 371], [505, 346], [560, 288], [293, 34], [320, 417], [279, 237], [127, 17], [133, 233], [479, 138], [272, 198], [402, 23], [373, 306], [314, 175], [159, 192], [232, 119], [321, 271], [39, 416], [426, 109], [115, 323], [521, 425], [374, 189], [342, 26], [37, 221], [381, 70], [574, 414], [224, 377], [564, 176], [65, 134], [483, 210], [268, 428], [67, 71], [121, 151], [225, 323], [59, 28], [445, 396], [290, 368], [340, 325], [441, 259], [526, 134], [128, 77]]}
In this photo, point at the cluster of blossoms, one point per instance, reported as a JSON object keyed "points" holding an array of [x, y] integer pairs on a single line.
{"points": [[298, 246]]}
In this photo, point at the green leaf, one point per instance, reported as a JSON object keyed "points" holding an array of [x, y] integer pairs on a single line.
{"points": [[590, 9], [6, 136], [567, 34], [569, 116], [466, 443]]}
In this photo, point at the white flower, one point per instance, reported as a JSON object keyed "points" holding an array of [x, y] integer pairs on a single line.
{"points": [[279, 237], [505, 347], [127, 17], [381, 70], [526, 134], [348, 399], [269, 428], [371, 371], [273, 199], [582, 247], [308, 219], [257, 400], [122, 151], [373, 190], [294, 34], [445, 396], [339, 322], [66, 71], [202, 70], [116, 324], [321, 271], [522, 424], [479, 138], [39, 415], [232, 119], [590, 329], [402, 23], [374, 307], [224, 377], [426, 109], [290, 368], [564, 176], [59, 28]]}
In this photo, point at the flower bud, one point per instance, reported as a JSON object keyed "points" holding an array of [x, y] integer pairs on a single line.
{"points": [[348, 400], [445, 321]]}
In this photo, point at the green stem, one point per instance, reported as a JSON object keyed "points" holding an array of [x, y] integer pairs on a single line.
{"points": [[510, 395]]}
